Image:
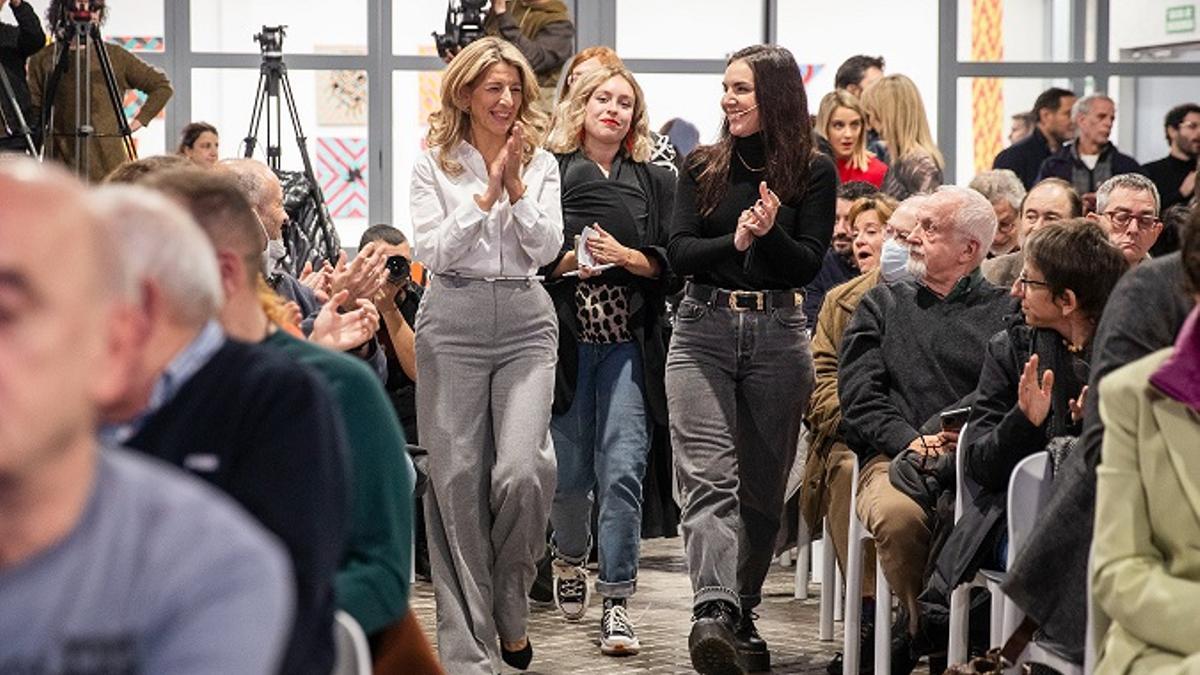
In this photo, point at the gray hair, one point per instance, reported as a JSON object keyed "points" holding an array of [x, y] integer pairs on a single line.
{"points": [[156, 239], [252, 177], [1084, 105], [973, 218], [999, 184], [1130, 181]]}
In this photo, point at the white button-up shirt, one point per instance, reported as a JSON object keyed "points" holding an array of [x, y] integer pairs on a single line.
{"points": [[453, 235]]}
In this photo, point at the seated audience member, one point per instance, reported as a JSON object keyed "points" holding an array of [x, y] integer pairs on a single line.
{"points": [[913, 350], [241, 417], [895, 110], [1144, 576], [1054, 126], [109, 561], [1091, 158], [1175, 174], [1127, 207], [841, 122], [200, 143], [1031, 392], [1049, 201], [1022, 125], [828, 467], [1048, 578], [1003, 189], [135, 171], [868, 223], [372, 578], [837, 266]]}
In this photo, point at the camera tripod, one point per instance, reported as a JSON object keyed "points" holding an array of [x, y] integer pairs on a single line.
{"points": [[80, 36], [274, 91], [17, 126]]}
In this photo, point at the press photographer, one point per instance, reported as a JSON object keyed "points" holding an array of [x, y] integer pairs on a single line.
{"points": [[17, 44], [540, 29], [397, 302], [97, 146]]}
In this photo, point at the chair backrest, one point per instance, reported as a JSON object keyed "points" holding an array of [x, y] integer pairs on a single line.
{"points": [[964, 490], [353, 652], [1028, 490]]}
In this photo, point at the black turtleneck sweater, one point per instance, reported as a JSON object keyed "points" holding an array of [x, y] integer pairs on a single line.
{"points": [[788, 256]]}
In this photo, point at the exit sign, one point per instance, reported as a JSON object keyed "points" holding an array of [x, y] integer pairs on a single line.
{"points": [[1181, 19]]}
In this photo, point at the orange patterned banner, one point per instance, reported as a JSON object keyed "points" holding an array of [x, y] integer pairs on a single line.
{"points": [[987, 95]]}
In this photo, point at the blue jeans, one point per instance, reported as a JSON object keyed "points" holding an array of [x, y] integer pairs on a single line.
{"points": [[601, 443]]}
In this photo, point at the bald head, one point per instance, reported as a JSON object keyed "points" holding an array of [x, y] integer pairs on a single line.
{"points": [[263, 189], [58, 292]]}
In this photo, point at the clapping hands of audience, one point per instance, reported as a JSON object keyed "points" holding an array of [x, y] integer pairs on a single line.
{"points": [[342, 331], [1033, 398], [320, 281], [361, 278]]}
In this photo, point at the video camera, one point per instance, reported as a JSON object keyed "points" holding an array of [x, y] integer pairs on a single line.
{"points": [[464, 25], [76, 11], [270, 40]]}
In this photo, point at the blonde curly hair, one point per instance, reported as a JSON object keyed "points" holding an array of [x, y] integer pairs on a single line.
{"points": [[567, 134], [452, 123]]}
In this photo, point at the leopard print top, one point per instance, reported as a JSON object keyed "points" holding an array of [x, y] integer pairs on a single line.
{"points": [[603, 312]]}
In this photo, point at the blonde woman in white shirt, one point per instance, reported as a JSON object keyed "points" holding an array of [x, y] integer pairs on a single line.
{"points": [[486, 214]]}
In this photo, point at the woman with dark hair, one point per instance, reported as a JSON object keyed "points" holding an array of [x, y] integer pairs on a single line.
{"points": [[487, 213], [200, 143], [753, 217], [609, 390]]}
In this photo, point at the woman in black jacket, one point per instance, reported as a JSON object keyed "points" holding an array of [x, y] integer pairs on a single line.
{"points": [[753, 217], [608, 288]]}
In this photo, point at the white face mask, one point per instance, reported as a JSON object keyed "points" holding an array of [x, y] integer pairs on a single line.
{"points": [[273, 256], [893, 262]]}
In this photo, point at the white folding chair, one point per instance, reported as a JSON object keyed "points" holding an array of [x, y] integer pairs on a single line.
{"points": [[1028, 490], [353, 652], [853, 603], [960, 598]]}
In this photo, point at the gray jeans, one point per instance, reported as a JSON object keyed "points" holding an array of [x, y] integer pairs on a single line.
{"points": [[737, 386], [485, 364]]}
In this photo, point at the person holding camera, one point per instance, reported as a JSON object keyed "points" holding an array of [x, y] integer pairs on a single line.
{"points": [[543, 31], [17, 44], [486, 215], [106, 148], [397, 301]]}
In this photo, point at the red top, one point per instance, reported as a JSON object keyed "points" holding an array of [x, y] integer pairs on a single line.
{"points": [[873, 174]]}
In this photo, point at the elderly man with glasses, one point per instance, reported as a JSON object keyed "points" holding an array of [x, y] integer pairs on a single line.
{"points": [[1127, 207]]}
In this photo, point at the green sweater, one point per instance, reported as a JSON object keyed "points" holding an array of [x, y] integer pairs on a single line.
{"points": [[372, 580]]}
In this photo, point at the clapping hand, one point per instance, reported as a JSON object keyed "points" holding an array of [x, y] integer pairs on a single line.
{"points": [[762, 214], [1033, 398], [342, 331]]}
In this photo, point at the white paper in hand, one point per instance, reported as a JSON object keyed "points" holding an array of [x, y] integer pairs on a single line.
{"points": [[583, 256]]}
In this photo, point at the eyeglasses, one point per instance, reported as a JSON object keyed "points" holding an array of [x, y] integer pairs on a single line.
{"points": [[1026, 282], [1123, 218]]}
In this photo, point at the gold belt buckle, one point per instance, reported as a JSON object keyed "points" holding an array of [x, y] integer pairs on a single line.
{"points": [[734, 295]]}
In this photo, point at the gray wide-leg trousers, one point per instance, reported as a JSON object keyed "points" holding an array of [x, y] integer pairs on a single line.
{"points": [[485, 382]]}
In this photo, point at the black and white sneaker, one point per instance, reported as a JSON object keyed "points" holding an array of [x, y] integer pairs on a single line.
{"points": [[571, 590], [616, 630]]}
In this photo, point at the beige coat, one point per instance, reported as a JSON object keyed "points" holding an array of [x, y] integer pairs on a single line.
{"points": [[1146, 551]]}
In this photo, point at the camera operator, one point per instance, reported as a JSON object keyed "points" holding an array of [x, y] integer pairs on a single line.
{"points": [[17, 44], [106, 149], [542, 31], [397, 302]]}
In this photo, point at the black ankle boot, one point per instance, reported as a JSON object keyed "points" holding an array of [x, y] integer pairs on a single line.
{"points": [[752, 649], [712, 643]]}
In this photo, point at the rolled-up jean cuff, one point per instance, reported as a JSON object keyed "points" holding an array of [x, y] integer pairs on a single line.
{"points": [[709, 593], [616, 589], [749, 602], [576, 560]]}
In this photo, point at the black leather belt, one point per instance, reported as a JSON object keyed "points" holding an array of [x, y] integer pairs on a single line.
{"points": [[744, 301]]}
